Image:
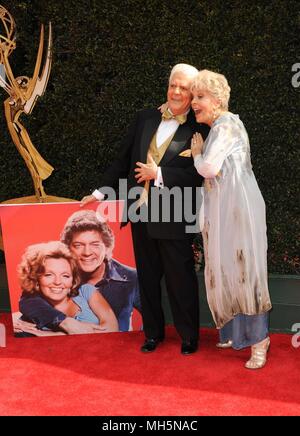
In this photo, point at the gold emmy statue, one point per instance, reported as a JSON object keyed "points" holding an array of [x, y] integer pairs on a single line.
{"points": [[23, 93]]}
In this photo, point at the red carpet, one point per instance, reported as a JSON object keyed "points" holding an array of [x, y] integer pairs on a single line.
{"points": [[108, 375]]}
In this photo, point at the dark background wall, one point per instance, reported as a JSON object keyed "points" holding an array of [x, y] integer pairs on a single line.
{"points": [[112, 58]]}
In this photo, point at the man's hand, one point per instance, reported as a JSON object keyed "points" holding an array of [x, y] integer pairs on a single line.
{"points": [[87, 199], [197, 144], [146, 171], [74, 327]]}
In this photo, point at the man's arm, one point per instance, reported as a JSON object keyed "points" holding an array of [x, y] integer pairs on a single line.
{"points": [[181, 177], [40, 312]]}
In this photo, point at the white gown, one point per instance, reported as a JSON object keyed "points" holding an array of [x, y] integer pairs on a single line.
{"points": [[234, 231]]}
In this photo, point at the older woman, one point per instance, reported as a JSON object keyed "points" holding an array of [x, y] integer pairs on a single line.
{"points": [[48, 269], [234, 224]]}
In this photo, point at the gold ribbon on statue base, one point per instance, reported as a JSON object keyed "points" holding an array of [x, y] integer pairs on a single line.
{"points": [[23, 94]]}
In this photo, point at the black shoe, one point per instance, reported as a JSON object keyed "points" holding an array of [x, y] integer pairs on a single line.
{"points": [[189, 347], [150, 344]]}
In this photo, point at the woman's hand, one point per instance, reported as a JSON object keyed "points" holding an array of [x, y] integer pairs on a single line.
{"points": [[105, 314], [197, 144], [163, 107]]}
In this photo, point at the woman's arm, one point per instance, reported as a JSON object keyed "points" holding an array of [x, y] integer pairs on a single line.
{"points": [[103, 311]]}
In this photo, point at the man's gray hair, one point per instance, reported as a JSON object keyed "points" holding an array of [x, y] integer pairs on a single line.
{"points": [[84, 221], [186, 69]]}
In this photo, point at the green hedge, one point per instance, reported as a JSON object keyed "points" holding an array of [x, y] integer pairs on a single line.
{"points": [[112, 58]]}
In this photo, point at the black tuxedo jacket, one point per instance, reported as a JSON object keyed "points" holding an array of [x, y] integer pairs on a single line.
{"points": [[177, 171]]}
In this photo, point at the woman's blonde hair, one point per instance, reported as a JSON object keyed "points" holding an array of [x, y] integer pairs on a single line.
{"points": [[32, 265], [216, 84]]}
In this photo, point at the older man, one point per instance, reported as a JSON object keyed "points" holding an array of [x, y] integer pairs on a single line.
{"points": [[155, 153]]}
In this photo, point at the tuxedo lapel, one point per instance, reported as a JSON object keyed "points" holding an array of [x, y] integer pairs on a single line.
{"points": [[150, 127], [179, 142]]}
